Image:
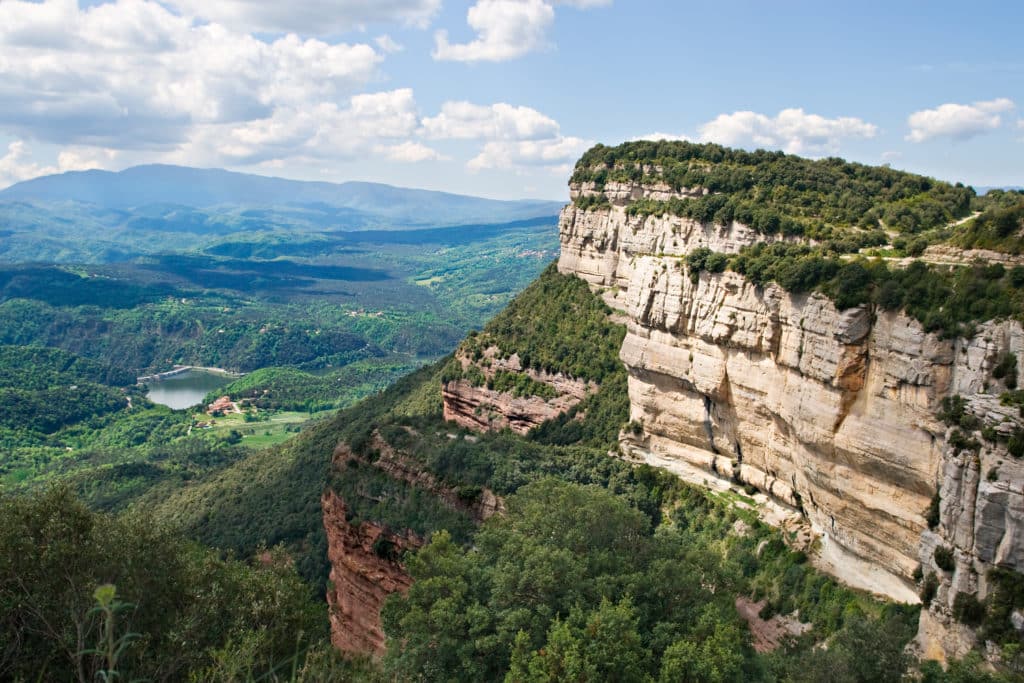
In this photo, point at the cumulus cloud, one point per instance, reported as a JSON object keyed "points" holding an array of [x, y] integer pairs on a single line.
{"points": [[792, 130], [134, 75], [411, 152], [18, 163], [309, 17], [467, 121], [321, 131], [137, 79], [515, 137], [555, 153], [505, 29], [957, 121]]}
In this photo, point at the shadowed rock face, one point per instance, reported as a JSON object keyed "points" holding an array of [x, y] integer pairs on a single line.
{"points": [[365, 558], [832, 414], [364, 572]]}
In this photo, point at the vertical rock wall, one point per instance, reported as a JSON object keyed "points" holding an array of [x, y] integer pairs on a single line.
{"points": [[831, 415], [365, 570]]}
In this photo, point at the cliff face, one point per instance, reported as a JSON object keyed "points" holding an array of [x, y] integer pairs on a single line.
{"points": [[483, 409], [365, 570], [831, 415], [366, 558]]}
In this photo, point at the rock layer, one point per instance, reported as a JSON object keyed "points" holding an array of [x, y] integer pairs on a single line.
{"points": [[364, 572], [832, 414], [483, 409]]}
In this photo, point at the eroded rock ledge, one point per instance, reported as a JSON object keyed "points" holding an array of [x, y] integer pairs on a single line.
{"points": [[483, 409]]}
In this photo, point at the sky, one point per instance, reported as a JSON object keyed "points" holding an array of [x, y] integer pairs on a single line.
{"points": [[498, 98]]}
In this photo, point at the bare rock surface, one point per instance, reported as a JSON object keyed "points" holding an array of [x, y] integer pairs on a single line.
{"points": [[832, 415], [483, 409], [362, 576]]}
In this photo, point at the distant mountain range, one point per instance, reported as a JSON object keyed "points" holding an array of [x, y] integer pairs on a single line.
{"points": [[143, 186], [101, 217]]}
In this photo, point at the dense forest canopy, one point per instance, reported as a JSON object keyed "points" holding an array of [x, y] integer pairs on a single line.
{"points": [[774, 192]]}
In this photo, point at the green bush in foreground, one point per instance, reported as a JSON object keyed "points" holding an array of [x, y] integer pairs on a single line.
{"points": [[170, 608]]}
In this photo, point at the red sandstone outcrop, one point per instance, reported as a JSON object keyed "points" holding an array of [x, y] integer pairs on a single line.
{"points": [[365, 558], [365, 569], [482, 409]]}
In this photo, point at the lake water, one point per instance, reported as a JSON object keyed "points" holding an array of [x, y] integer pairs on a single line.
{"points": [[185, 390]]}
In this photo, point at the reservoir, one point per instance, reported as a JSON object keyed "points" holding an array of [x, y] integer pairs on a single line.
{"points": [[186, 389]]}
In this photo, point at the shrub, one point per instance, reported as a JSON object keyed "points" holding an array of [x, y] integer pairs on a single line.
{"points": [[592, 202], [1006, 370], [961, 442], [929, 587], [1006, 594], [967, 609], [931, 515], [944, 559], [1015, 446], [384, 548]]}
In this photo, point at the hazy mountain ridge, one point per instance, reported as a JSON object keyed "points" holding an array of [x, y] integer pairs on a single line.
{"points": [[142, 186], [104, 217]]}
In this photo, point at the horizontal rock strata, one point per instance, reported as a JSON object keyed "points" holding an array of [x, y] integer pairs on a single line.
{"points": [[832, 415]]}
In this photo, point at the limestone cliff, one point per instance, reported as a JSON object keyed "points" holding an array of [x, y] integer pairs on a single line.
{"points": [[831, 415]]}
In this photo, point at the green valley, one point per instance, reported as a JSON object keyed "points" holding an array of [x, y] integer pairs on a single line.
{"points": [[315, 316]]}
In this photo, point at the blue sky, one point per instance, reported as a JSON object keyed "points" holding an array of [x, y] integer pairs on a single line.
{"points": [[499, 97]]}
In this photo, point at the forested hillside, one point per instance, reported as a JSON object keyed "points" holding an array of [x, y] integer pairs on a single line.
{"points": [[636, 572], [316, 321]]}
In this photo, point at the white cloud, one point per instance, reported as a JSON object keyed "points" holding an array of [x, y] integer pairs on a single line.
{"points": [[506, 29], [322, 131], [467, 121], [792, 130], [18, 164], [555, 153], [411, 152], [133, 81], [131, 74], [515, 137], [957, 121], [309, 17]]}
